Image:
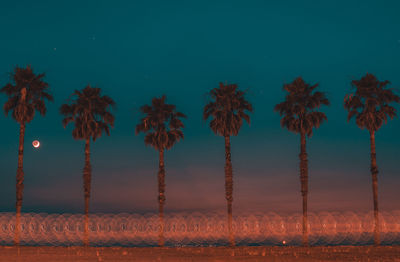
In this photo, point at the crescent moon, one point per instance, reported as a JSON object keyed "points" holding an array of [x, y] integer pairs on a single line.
{"points": [[36, 144]]}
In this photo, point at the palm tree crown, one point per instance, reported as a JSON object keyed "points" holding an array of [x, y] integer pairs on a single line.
{"points": [[161, 124], [90, 113], [228, 109], [298, 109], [369, 104], [26, 95]]}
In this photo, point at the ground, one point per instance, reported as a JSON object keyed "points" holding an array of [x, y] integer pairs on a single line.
{"points": [[176, 254]]}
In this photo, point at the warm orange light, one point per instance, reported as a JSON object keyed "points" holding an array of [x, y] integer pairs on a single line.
{"points": [[36, 144], [284, 242]]}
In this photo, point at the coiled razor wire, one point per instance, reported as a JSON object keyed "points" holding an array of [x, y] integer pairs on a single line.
{"points": [[200, 229]]}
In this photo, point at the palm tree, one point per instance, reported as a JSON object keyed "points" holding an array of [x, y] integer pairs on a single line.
{"points": [[163, 128], [299, 115], [26, 93], [90, 113], [370, 105], [227, 108]]}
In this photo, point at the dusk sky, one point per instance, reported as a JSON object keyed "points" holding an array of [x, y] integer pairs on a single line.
{"points": [[135, 50]]}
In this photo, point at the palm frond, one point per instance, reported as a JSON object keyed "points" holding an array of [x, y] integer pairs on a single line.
{"points": [[370, 102], [227, 109], [90, 113], [299, 109], [161, 123], [26, 93]]}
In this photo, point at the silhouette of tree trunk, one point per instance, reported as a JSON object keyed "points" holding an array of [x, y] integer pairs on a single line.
{"points": [[304, 184], [229, 187], [20, 184], [161, 197], [87, 173], [374, 173]]}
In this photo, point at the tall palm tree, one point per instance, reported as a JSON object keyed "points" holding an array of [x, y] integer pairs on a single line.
{"points": [[370, 105], [299, 115], [26, 93], [227, 108], [163, 128], [90, 113]]}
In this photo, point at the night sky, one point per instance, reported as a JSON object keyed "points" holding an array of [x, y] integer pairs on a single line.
{"points": [[135, 50]]}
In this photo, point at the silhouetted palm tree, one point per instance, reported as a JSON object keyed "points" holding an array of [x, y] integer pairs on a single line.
{"points": [[227, 108], [90, 113], [26, 94], [370, 105], [163, 128], [299, 115]]}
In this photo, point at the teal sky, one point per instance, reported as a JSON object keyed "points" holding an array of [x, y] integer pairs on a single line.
{"points": [[135, 50]]}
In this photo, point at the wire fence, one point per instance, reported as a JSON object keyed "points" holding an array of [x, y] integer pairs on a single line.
{"points": [[200, 229]]}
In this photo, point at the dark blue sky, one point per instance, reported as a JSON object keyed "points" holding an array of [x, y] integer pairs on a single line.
{"points": [[135, 50]]}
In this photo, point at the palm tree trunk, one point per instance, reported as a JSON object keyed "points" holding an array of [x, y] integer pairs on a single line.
{"points": [[304, 185], [161, 197], [19, 184], [229, 187], [87, 177], [374, 173]]}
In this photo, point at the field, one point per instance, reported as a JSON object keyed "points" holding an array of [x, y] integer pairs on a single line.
{"points": [[260, 253]]}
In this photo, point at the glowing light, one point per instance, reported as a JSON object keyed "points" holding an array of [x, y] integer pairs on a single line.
{"points": [[36, 144], [284, 242]]}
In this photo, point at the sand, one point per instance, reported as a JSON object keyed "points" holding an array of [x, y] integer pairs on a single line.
{"points": [[119, 254]]}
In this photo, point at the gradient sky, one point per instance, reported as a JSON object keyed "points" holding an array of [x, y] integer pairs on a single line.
{"points": [[135, 50]]}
